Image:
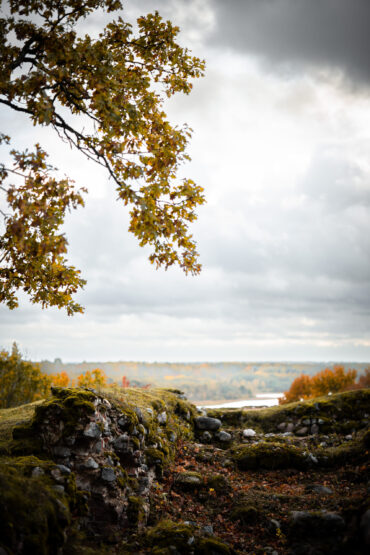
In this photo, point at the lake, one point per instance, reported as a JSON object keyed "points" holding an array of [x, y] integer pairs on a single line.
{"points": [[260, 400]]}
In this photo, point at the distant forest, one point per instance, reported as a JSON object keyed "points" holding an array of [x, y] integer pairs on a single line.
{"points": [[206, 380]]}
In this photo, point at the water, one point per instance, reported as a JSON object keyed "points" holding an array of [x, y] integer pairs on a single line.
{"points": [[260, 400]]}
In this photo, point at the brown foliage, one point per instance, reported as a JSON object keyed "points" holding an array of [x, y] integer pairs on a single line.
{"points": [[324, 382]]}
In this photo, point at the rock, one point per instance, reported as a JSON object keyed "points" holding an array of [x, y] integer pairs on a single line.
{"points": [[248, 432], [37, 471], [273, 526], [318, 488], [302, 431], [206, 436], [58, 489], [207, 423], [208, 529], [314, 429], [318, 525], [162, 417], [282, 426], [93, 430], [121, 443], [64, 469], [57, 475], [290, 427], [348, 437], [60, 451], [90, 464], [365, 527], [224, 437], [108, 474], [311, 459], [172, 437], [188, 481], [139, 413], [306, 422]]}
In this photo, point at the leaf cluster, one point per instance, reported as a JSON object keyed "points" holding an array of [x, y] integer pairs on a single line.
{"points": [[104, 97]]}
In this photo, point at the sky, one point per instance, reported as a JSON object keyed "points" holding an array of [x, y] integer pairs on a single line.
{"points": [[281, 145]]}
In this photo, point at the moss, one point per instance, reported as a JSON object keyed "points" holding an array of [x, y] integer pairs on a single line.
{"points": [[245, 513], [334, 410], [188, 481], [271, 456], [211, 546], [218, 482], [32, 514], [136, 512], [167, 533]]}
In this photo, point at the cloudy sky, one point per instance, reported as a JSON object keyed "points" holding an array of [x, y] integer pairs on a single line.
{"points": [[281, 145]]}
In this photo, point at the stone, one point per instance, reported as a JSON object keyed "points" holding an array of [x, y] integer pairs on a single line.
{"points": [[311, 459], [64, 469], [208, 529], [139, 413], [207, 423], [61, 451], [188, 481], [306, 422], [162, 417], [108, 474], [318, 488], [365, 527], [37, 471], [58, 489], [121, 443], [314, 429], [224, 437], [282, 426], [93, 430], [290, 427], [348, 437], [57, 475], [316, 525], [248, 432], [172, 437], [273, 526], [90, 464], [302, 431]]}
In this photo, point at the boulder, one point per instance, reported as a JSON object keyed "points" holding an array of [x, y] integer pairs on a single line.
{"points": [[207, 423]]}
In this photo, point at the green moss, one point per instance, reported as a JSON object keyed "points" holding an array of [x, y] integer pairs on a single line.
{"points": [[31, 513], [188, 481], [218, 482], [213, 546], [267, 455], [168, 533], [335, 410], [136, 511], [245, 513]]}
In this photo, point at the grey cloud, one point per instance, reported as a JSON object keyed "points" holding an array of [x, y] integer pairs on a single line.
{"points": [[332, 34]]}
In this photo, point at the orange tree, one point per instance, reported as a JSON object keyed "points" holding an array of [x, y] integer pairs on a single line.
{"points": [[322, 383], [21, 381], [95, 379], [104, 97]]}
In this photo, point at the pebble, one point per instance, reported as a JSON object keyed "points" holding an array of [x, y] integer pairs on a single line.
{"points": [[64, 469], [318, 488], [208, 529], [58, 489], [248, 432], [90, 464], [162, 417]]}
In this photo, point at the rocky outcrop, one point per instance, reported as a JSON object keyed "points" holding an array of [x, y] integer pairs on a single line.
{"points": [[111, 450]]}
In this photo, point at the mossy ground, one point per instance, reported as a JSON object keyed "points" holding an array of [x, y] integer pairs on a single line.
{"points": [[239, 502]]}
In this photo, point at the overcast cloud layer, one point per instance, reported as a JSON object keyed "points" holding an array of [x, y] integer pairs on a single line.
{"points": [[281, 144]]}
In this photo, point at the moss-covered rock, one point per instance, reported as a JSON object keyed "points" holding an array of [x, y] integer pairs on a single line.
{"points": [[218, 482], [167, 533], [245, 513], [213, 546], [188, 481], [34, 516], [268, 455]]}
